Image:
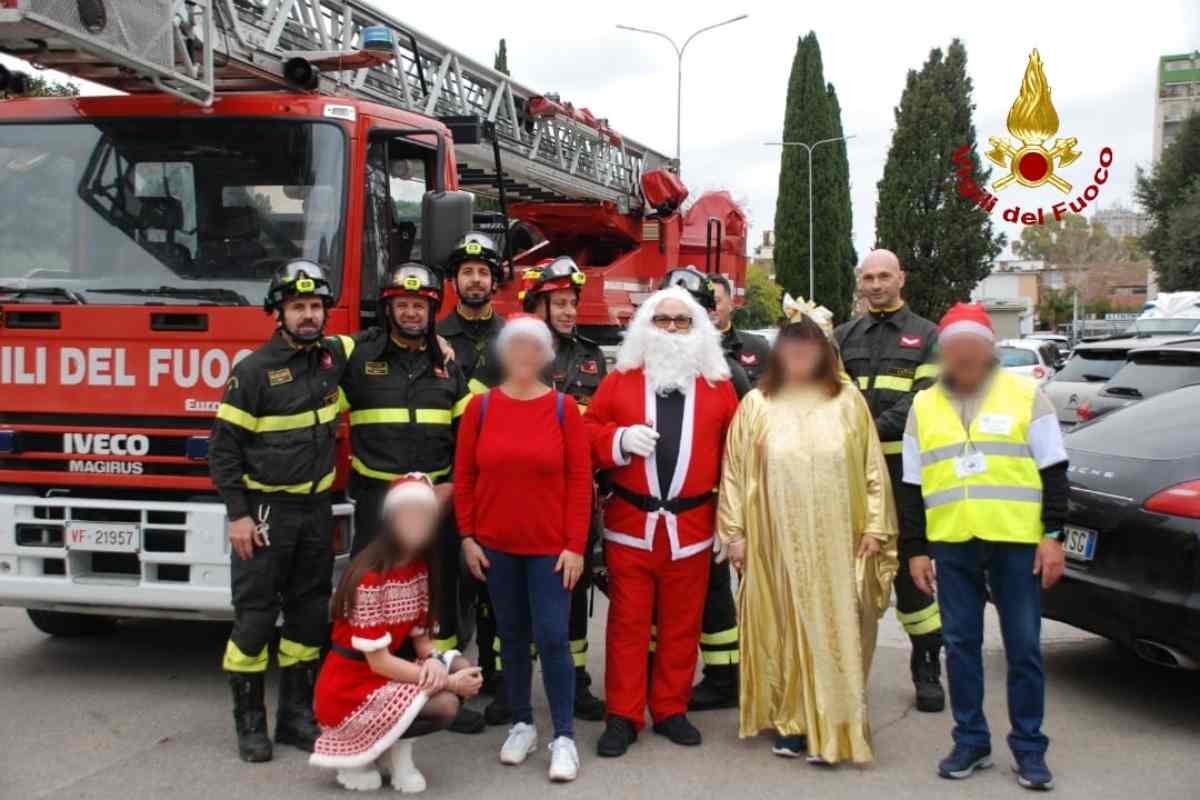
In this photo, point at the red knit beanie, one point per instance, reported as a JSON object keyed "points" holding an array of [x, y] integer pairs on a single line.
{"points": [[966, 318]]}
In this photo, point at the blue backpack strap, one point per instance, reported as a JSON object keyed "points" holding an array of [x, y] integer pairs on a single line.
{"points": [[560, 404], [483, 404]]}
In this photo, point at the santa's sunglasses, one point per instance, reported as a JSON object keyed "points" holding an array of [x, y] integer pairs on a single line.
{"points": [[682, 322]]}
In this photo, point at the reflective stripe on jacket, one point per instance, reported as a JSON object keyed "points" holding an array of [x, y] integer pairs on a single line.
{"points": [[1003, 501]]}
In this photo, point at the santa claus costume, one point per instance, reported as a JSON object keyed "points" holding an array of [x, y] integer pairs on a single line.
{"points": [[659, 522]]}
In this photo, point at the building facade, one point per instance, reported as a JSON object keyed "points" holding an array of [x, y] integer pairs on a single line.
{"points": [[1177, 96], [1120, 221]]}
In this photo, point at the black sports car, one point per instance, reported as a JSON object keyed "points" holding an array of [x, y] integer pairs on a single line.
{"points": [[1133, 538]]}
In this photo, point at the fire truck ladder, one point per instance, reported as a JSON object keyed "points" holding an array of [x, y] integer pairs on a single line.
{"points": [[195, 49]]}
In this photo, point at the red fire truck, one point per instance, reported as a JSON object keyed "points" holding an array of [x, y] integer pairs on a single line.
{"points": [[139, 231]]}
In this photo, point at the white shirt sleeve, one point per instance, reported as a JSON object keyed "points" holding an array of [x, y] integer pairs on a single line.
{"points": [[911, 458], [1045, 434]]}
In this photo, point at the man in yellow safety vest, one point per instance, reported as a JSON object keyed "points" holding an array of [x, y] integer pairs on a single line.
{"points": [[985, 496]]}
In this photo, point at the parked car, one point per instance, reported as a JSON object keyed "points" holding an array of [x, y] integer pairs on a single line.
{"points": [[1147, 371], [1133, 535], [1061, 342], [1089, 368], [1029, 357]]}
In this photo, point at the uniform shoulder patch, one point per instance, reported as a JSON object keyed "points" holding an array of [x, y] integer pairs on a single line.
{"points": [[376, 368], [589, 367], [275, 377], [440, 372], [749, 359], [911, 341]]}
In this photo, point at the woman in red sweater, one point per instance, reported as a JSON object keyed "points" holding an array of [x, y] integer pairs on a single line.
{"points": [[522, 494]]}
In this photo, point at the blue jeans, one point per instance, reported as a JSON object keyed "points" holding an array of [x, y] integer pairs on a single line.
{"points": [[965, 573], [531, 605]]}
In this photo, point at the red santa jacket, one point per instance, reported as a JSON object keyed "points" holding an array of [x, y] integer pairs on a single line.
{"points": [[624, 399]]}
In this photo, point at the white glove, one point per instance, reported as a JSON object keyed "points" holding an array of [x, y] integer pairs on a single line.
{"points": [[639, 440], [721, 549]]}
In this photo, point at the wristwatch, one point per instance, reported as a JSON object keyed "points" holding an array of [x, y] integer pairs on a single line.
{"points": [[1055, 535]]}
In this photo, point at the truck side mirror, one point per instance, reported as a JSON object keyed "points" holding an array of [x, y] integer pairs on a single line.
{"points": [[445, 219]]}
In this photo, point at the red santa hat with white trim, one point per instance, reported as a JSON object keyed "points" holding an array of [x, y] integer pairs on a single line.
{"points": [[415, 487], [966, 319]]}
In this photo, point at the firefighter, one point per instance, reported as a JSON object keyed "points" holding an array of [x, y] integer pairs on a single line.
{"points": [[405, 398], [553, 294], [271, 458], [471, 330], [749, 350], [890, 353], [719, 632]]}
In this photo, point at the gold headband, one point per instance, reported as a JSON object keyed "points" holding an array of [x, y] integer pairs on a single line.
{"points": [[794, 309]]}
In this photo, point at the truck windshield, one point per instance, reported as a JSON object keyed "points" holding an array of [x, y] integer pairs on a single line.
{"points": [[150, 211]]}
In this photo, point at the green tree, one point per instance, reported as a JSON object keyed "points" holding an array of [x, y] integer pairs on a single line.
{"points": [[1169, 193], [39, 86], [1054, 307], [945, 242], [501, 63], [812, 114], [1071, 241], [763, 302]]}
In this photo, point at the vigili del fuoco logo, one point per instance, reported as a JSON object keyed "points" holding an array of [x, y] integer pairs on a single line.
{"points": [[1028, 161]]}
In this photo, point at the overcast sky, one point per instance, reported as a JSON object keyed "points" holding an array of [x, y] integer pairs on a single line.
{"points": [[1100, 60]]}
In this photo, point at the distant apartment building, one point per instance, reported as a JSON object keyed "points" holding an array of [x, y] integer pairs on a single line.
{"points": [[764, 253], [1176, 98], [1120, 221]]}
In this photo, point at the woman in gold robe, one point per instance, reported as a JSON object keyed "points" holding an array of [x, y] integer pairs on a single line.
{"points": [[806, 511]]}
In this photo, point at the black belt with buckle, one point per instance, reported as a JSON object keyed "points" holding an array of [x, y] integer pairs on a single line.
{"points": [[651, 504]]}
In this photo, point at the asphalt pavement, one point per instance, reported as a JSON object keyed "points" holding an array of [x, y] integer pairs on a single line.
{"points": [[145, 713]]}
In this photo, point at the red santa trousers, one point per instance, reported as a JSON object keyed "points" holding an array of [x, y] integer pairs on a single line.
{"points": [[639, 582]]}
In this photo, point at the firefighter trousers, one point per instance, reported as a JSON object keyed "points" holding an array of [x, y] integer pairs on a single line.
{"points": [[368, 494], [293, 574], [917, 611]]}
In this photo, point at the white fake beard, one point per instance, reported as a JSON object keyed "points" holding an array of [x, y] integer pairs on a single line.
{"points": [[672, 360]]}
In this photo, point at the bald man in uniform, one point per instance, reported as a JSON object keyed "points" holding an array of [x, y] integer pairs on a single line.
{"points": [[890, 353]]}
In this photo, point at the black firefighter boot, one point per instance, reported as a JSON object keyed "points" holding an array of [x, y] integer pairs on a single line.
{"points": [[718, 689], [294, 722], [250, 716], [498, 712], [927, 672], [587, 706]]}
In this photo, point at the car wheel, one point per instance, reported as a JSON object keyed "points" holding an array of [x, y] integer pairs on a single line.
{"points": [[60, 623]]}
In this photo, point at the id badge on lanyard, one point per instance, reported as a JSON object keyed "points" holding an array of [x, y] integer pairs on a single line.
{"points": [[971, 462]]}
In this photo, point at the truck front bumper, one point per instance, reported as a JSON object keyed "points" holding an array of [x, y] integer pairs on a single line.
{"points": [[180, 568]]}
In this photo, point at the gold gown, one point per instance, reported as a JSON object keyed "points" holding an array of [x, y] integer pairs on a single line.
{"points": [[804, 479]]}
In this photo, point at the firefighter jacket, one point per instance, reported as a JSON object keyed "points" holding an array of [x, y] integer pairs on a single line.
{"points": [[276, 426], [749, 350], [577, 369], [890, 355], [404, 409], [474, 342]]}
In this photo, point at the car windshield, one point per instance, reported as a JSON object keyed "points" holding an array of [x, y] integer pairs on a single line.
{"points": [[1091, 366], [166, 211], [1016, 357], [1154, 373]]}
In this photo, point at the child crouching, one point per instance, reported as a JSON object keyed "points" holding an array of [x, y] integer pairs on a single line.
{"points": [[369, 702]]}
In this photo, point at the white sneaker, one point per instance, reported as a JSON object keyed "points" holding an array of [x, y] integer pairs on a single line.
{"points": [[521, 741], [564, 760], [406, 778], [360, 779]]}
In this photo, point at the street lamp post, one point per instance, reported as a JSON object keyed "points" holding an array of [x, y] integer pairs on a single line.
{"points": [[679, 66], [808, 148]]}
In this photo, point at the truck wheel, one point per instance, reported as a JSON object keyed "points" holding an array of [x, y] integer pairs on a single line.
{"points": [[60, 623]]}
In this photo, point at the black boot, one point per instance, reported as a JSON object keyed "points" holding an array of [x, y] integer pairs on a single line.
{"points": [[468, 720], [250, 716], [294, 722], [498, 712], [587, 706], [618, 734], [718, 689], [679, 730], [927, 672]]}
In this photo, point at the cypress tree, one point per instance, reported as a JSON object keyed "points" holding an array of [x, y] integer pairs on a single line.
{"points": [[501, 62], [812, 114], [944, 241]]}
